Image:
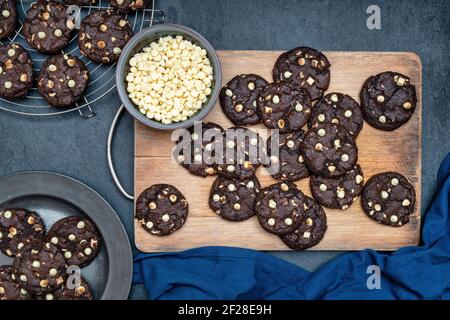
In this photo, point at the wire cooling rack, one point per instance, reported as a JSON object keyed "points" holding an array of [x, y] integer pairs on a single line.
{"points": [[102, 76]]}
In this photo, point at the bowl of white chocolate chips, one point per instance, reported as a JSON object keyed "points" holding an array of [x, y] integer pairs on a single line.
{"points": [[168, 77]]}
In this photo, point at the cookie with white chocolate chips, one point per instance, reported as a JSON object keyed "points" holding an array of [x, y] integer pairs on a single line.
{"points": [[388, 198], [19, 227], [234, 199], [304, 67], [80, 291], [338, 193], [388, 100], [161, 209], [9, 286], [63, 79], [126, 5], [40, 268], [8, 18], [77, 238], [330, 150], [284, 106], [311, 229], [279, 208], [48, 26], [340, 109], [103, 34], [16, 71], [239, 96], [288, 164]]}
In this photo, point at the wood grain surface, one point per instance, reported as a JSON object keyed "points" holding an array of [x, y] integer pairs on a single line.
{"points": [[379, 151]]}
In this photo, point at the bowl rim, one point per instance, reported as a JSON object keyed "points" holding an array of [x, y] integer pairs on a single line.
{"points": [[125, 56]]}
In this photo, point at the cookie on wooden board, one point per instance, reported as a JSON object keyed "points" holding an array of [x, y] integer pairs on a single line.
{"points": [[388, 198], [161, 209], [8, 18], [234, 199], [304, 67], [329, 150], [388, 100]]}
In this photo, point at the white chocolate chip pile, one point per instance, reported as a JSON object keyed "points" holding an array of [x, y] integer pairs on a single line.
{"points": [[170, 80]]}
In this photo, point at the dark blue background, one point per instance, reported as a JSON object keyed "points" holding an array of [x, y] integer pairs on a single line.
{"points": [[77, 147]]}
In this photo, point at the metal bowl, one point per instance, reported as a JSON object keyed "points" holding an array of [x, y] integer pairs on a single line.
{"points": [[143, 39]]}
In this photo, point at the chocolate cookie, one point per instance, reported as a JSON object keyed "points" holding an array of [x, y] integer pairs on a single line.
{"points": [[239, 96], [9, 286], [40, 268], [234, 199], [243, 149], [279, 208], [199, 152], [304, 67], [284, 106], [63, 79], [80, 2], [48, 26], [388, 198], [311, 229], [126, 5], [8, 18], [19, 227], [388, 100], [285, 159], [77, 238], [340, 109], [338, 193], [82, 291], [161, 209], [103, 34], [16, 71], [330, 150]]}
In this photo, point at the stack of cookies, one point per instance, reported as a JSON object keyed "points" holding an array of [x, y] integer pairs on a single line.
{"points": [[44, 263], [48, 28]]}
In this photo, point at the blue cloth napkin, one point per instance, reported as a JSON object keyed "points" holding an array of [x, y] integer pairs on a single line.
{"points": [[421, 272]]}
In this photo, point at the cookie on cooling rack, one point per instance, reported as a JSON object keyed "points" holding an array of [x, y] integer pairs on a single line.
{"points": [[16, 71], [48, 26], [126, 5], [103, 34], [63, 80], [8, 18]]}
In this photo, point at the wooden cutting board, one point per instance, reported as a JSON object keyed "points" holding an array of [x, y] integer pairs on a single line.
{"points": [[351, 229]]}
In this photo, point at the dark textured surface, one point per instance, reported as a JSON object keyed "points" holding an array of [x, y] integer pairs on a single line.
{"points": [[77, 147]]}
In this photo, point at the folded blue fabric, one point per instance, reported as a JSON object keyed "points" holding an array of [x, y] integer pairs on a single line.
{"points": [[421, 272]]}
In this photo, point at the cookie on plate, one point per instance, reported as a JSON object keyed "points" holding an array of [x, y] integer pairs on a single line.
{"points": [[311, 229], [279, 208], [340, 109], [201, 151], [239, 96], [243, 150], [16, 71], [126, 5], [388, 100], [9, 286], [8, 18], [285, 156], [103, 34], [284, 106], [48, 26], [40, 268], [63, 79], [77, 238], [330, 150], [77, 291], [304, 67], [338, 193], [80, 2], [234, 199], [19, 227], [161, 209], [388, 198]]}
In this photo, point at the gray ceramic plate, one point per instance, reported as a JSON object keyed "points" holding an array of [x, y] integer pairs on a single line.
{"points": [[55, 196]]}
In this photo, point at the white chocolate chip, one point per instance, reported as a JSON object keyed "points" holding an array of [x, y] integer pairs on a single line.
{"points": [[72, 237], [230, 168], [216, 198], [7, 214], [276, 99], [229, 93], [271, 222], [377, 207], [287, 74], [384, 194], [382, 119], [309, 222], [250, 185], [149, 225], [359, 179], [272, 204], [380, 98], [323, 187], [68, 254], [290, 144], [298, 107], [321, 117], [307, 235], [49, 297], [53, 272], [251, 86], [6, 13], [11, 52], [41, 34], [274, 159], [406, 203], [36, 264], [394, 218], [81, 225], [88, 251], [407, 105], [231, 187], [300, 159], [394, 181], [318, 147], [165, 218], [231, 144], [344, 157], [54, 240], [331, 168], [237, 207], [348, 113], [58, 32], [288, 221], [71, 83], [340, 193], [321, 132], [310, 81], [284, 187]]}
